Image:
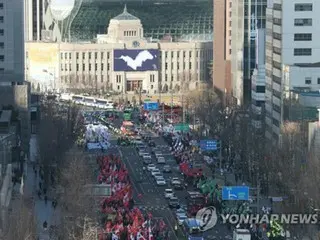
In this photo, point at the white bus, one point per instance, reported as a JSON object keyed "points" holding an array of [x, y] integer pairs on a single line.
{"points": [[77, 99], [89, 101]]}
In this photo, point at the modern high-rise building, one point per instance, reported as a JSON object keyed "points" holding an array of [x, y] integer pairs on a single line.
{"points": [[33, 19], [11, 41], [247, 17], [222, 46], [292, 58]]}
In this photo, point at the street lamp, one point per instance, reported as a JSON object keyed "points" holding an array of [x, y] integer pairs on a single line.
{"points": [[52, 74]]}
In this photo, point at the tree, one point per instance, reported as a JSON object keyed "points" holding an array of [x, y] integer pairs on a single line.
{"points": [[76, 202], [57, 133], [22, 222]]}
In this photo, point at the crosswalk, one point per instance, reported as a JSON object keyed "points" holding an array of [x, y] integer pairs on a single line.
{"points": [[153, 208]]}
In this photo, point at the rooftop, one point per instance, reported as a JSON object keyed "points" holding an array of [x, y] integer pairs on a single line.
{"points": [[125, 15]]}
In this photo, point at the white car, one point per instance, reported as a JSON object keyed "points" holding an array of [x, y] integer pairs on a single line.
{"points": [[157, 175], [161, 160], [155, 171], [161, 181], [151, 167], [181, 218], [158, 154], [142, 153], [146, 156], [168, 193]]}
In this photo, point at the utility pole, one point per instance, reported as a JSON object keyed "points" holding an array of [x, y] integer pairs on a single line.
{"points": [[183, 109], [220, 153]]}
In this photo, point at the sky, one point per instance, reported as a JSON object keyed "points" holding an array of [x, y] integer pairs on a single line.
{"points": [[62, 3]]}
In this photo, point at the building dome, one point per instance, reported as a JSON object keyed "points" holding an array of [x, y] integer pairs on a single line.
{"points": [[125, 15]]}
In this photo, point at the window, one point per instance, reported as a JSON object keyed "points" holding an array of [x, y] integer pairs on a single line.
{"points": [[102, 66], [178, 66], [96, 55], [2, 70], [69, 66], [1, 45], [178, 54], [1, 5], [1, 58], [77, 66], [89, 66], [190, 65], [108, 66], [166, 77], [89, 55], [318, 80], [70, 55], [96, 67], [83, 67], [260, 89], [61, 55], [302, 37], [302, 7], [66, 67], [102, 55], [166, 66], [77, 55], [62, 69], [83, 55], [303, 22], [184, 54], [307, 80], [172, 78], [302, 52], [108, 55], [166, 54], [190, 54], [184, 66], [65, 55], [276, 36], [277, 21], [1, 19], [277, 6]]}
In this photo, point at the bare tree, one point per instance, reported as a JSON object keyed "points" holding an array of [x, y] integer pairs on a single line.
{"points": [[78, 206], [22, 222], [57, 132]]}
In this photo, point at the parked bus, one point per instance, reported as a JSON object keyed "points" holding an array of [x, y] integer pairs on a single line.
{"points": [[77, 99], [89, 101], [104, 103]]}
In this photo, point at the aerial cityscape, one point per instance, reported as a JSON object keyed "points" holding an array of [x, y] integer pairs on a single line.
{"points": [[159, 119]]}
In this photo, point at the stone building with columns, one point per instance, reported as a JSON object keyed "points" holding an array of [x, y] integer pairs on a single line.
{"points": [[122, 60]]}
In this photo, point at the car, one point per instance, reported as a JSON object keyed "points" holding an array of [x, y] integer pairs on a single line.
{"points": [[147, 156], [161, 181], [151, 167], [174, 202], [166, 169], [168, 193], [181, 218], [141, 148], [147, 161], [158, 154], [142, 152], [157, 175], [161, 160], [176, 183], [155, 171], [151, 143]]}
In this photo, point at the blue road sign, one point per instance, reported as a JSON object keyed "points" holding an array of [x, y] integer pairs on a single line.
{"points": [[208, 145], [151, 106], [235, 193]]}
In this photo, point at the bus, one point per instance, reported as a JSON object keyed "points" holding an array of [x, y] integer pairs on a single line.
{"points": [[104, 104], [89, 101], [77, 99], [127, 114]]}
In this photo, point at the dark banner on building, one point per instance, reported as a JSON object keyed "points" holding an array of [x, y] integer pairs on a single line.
{"points": [[135, 60]]}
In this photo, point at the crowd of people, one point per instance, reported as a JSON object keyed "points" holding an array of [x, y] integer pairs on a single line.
{"points": [[122, 219]]}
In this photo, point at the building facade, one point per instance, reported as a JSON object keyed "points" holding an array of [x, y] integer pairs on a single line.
{"points": [[33, 19], [11, 42], [258, 81], [122, 61], [222, 31], [247, 17], [292, 56]]}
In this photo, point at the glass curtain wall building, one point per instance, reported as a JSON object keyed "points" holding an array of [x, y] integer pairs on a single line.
{"points": [[247, 17]]}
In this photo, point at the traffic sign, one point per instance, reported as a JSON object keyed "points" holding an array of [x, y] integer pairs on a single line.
{"points": [[181, 127], [151, 106], [208, 145], [235, 193]]}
